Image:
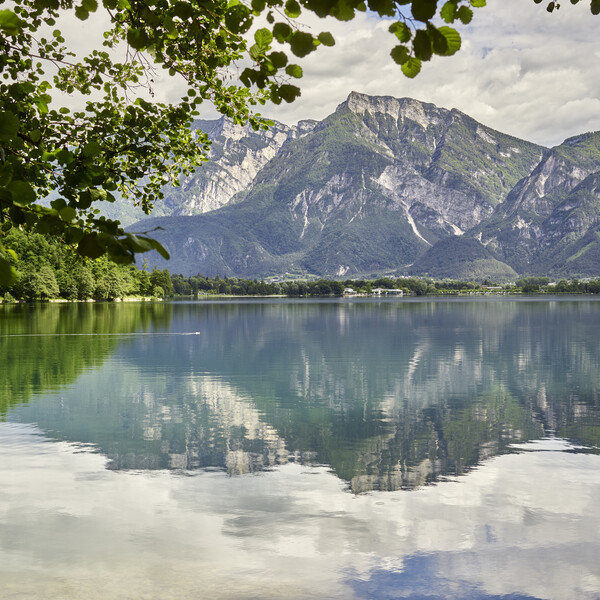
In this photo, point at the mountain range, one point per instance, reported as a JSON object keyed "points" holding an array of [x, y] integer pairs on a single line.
{"points": [[382, 186]]}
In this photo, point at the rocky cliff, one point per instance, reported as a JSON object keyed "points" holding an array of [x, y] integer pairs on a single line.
{"points": [[539, 227], [237, 155]]}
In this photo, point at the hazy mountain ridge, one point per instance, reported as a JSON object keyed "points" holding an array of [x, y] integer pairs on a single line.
{"points": [[377, 187]]}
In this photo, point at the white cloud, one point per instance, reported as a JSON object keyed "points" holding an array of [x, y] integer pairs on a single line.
{"points": [[521, 70]]}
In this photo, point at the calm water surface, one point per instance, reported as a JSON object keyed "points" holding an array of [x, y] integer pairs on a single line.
{"points": [[301, 449]]}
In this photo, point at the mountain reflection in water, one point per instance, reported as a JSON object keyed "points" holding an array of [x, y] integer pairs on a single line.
{"points": [[386, 394]]}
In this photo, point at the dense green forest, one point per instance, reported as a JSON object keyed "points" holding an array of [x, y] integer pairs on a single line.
{"points": [[47, 270]]}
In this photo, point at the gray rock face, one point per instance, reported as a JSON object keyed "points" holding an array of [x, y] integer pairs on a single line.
{"points": [[551, 208], [448, 171], [237, 155]]}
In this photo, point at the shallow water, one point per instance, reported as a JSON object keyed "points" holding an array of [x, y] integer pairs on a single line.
{"points": [[301, 449]]}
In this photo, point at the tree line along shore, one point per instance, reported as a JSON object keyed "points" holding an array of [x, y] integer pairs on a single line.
{"points": [[47, 271]]}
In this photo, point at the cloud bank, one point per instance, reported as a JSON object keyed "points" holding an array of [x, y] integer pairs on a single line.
{"points": [[521, 70]]}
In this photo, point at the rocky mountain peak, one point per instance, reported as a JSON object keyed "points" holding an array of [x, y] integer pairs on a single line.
{"points": [[400, 109], [305, 126]]}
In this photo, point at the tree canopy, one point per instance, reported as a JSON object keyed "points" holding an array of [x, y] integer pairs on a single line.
{"points": [[57, 163]]}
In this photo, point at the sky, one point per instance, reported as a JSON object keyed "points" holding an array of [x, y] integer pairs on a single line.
{"points": [[521, 70]]}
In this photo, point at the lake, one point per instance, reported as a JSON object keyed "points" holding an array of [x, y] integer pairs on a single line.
{"points": [[270, 448]]}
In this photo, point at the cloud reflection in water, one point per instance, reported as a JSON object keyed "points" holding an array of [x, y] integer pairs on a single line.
{"points": [[71, 528]]}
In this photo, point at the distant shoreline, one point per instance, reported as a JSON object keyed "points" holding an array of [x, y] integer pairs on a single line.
{"points": [[210, 297]]}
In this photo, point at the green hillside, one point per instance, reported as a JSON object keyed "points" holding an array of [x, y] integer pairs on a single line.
{"points": [[465, 258]]}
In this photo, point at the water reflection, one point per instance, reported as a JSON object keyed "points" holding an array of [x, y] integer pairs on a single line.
{"points": [[73, 529], [46, 346], [388, 395]]}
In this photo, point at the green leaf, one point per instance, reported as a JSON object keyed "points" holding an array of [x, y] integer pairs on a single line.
{"points": [[399, 54], [6, 173], [595, 7], [255, 52], [423, 10], [22, 193], [453, 38], [263, 37], [449, 11], [478, 3], [89, 246], [183, 10], [10, 24], [81, 13], [465, 14], [326, 39], [292, 9], [85, 199], [248, 77], [343, 10], [401, 31], [289, 92], [139, 243], [8, 275], [17, 216], [44, 226], [294, 71], [302, 43], [385, 7], [156, 245], [90, 5], [41, 104], [20, 90], [9, 126], [98, 195], [92, 149], [51, 4], [68, 214], [422, 45], [65, 156], [279, 59], [137, 39], [438, 41], [411, 67], [238, 19], [170, 27], [282, 32], [58, 203]]}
